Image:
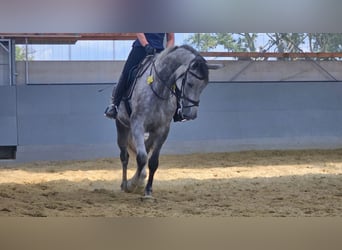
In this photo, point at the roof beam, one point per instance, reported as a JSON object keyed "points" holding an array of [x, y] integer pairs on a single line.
{"points": [[64, 38], [273, 54]]}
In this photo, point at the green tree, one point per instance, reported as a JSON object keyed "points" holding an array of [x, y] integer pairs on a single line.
{"points": [[20, 53], [286, 42], [277, 42], [325, 42], [249, 41], [227, 41], [230, 41], [203, 41]]}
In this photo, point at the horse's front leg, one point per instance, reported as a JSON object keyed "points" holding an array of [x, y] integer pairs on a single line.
{"points": [[138, 180], [152, 165], [153, 162]]}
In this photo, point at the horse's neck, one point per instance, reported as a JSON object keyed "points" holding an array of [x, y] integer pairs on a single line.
{"points": [[169, 70]]}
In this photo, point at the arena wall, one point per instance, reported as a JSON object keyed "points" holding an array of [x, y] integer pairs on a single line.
{"points": [[95, 72], [65, 121]]}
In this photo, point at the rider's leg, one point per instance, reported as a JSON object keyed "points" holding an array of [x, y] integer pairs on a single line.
{"points": [[112, 109], [136, 55]]}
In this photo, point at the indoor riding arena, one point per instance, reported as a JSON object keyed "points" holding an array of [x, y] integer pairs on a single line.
{"points": [[267, 141]]}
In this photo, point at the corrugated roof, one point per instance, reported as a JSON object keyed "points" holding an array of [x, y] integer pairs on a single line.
{"points": [[64, 38]]}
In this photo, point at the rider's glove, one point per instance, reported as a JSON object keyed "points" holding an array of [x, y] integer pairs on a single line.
{"points": [[149, 50]]}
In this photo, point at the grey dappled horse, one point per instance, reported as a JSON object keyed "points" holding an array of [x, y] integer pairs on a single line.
{"points": [[178, 74]]}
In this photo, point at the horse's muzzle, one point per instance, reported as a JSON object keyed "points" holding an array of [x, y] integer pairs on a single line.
{"points": [[189, 113]]}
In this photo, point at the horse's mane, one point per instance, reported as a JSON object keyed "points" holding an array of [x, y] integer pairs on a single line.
{"points": [[200, 62], [167, 51], [191, 49]]}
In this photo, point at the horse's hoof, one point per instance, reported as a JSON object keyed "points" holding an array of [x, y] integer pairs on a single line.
{"points": [[130, 187], [123, 186], [139, 189], [147, 198]]}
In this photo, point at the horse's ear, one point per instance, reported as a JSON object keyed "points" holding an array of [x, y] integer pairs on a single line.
{"points": [[214, 66]]}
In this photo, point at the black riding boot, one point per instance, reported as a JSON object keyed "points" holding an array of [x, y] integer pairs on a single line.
{"points": [[112, 110]]}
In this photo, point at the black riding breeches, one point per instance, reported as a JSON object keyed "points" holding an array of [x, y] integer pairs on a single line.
{"points": [[136, 55]]}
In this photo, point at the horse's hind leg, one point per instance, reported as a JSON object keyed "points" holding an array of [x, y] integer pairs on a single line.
{"points": [[124, 157], [122, 140]]}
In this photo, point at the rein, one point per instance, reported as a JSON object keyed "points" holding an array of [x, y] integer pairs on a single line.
{"points": [[157, 74], [179, 93]]}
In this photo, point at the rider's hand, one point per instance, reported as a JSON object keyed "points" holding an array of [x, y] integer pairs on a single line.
{"points": [[149, 50]]}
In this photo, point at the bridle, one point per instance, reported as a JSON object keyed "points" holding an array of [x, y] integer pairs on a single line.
{"points": [[180, 93]]}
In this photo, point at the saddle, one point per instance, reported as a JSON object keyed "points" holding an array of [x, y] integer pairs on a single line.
{"points": [[135, 73]]}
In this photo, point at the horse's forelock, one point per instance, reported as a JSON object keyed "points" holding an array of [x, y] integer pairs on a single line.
{"points": [[200, 63], [201, 66]]}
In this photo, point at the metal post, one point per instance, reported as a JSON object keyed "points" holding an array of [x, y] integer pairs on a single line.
{"points": [[13, 63], [26, 62], [69, 52], [10, 62], [113, 50], [5, 44]]}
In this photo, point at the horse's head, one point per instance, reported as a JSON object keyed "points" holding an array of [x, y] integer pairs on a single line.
{"points": [[191, 81], [184, 67], [190, 86]]}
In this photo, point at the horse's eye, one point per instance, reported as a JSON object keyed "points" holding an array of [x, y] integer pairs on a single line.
{"points": [[194, 65], [191, 85]]}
